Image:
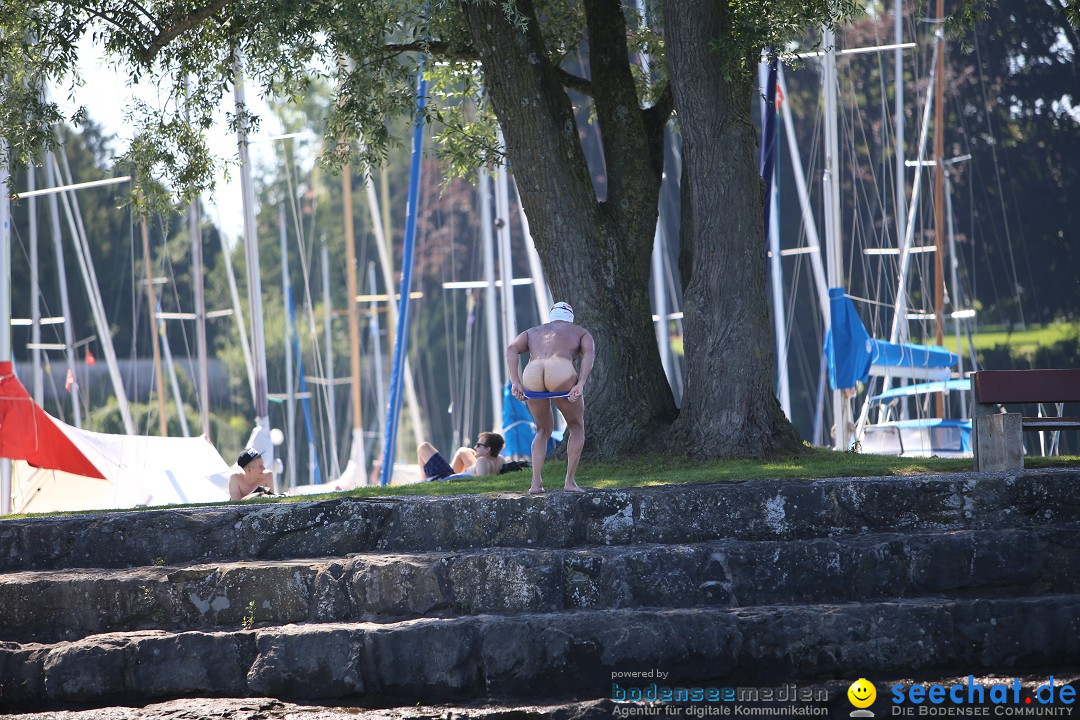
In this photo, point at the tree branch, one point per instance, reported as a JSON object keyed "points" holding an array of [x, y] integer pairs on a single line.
{"points": [[111, 21], [171, 31], [435, 47], [574, 82], [145, 12]]}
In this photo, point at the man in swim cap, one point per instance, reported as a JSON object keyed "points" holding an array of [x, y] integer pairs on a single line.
{"points": [[550, 375]]}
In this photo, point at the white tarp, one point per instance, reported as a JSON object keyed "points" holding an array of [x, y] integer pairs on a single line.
{"points": [[36, 490], [139, 471]]}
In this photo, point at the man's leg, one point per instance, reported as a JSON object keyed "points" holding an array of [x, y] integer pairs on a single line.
{"points": [[424, 452], [545, 423], [574, 414]]}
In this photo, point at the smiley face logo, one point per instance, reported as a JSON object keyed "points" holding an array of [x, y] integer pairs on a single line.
{"points": [[862, 693]]}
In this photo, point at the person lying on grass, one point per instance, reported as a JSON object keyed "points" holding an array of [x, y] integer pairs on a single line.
{"points": [[481, 459]]}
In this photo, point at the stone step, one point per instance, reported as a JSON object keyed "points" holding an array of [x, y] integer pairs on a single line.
{"points": [[48, 606], [754, 510], [828, 698], [571, 654], [263, 708]]}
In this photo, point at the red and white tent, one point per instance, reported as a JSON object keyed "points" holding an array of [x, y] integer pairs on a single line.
{"points": [[60, 467]]}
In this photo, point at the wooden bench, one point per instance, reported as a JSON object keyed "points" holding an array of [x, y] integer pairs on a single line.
{"points": [[996, 437]]}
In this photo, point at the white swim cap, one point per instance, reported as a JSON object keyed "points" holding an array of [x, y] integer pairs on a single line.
{"points": [[562, 311]]}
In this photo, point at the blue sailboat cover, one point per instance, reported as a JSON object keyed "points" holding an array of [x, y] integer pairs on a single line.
{"points": [[517, 423], [851, 351]]}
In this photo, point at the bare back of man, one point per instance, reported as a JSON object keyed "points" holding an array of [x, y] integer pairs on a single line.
{"points": [[552, 348]]}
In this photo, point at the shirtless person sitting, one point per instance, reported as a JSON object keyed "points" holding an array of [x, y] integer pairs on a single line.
{"points": [[254, 480], [481, 459], [550, 375]]}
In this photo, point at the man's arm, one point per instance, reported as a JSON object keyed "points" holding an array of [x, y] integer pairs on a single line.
{"points": [[588, 355], [513, 363], [235, 493]]}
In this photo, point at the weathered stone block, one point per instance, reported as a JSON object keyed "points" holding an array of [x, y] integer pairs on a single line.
{"points": [[565, 653], [396, 585], [308, 662], [432, 659], [87, 670], [21, 676], [189, 663]]}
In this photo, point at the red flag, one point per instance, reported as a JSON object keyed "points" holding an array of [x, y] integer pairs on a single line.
{"points": [[31, 435], [70, 380], [779, 96], [90, 359]]}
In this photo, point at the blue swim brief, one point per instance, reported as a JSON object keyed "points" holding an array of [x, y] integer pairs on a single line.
{"points": [[537, 395]]}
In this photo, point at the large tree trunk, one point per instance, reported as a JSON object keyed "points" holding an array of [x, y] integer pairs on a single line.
{"points": [[729, 407], [595, 255]]}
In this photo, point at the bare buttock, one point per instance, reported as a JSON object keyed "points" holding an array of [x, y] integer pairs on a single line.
{"points": [[555, 374]]}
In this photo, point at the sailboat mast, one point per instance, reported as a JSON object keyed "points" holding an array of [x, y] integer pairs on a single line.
{"points": [[898, 119], [357, 451], [151, 301], [768, 78], [93, 290], [954, 294], [35, 288], [328, 343], [195, 230], [659, 279], [251, 254], [490, 322], [812, 241], [5, 308], [939, 198], [506, 266], [833, 241], [400, 360], [376, 350], [899, 324], [238, 315], [290, 386], [200, 315], [380, 223], [663, 337], [540, 288], [61, 271]]}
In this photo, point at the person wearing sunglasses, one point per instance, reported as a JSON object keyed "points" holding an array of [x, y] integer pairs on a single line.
{"points": [[481, 459]]}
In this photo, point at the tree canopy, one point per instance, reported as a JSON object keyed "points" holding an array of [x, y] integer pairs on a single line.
{"points": [[530, 65]]}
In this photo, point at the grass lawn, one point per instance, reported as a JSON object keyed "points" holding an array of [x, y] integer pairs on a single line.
{"points": [[660, 470], [1022, 342], [815, 463]]}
